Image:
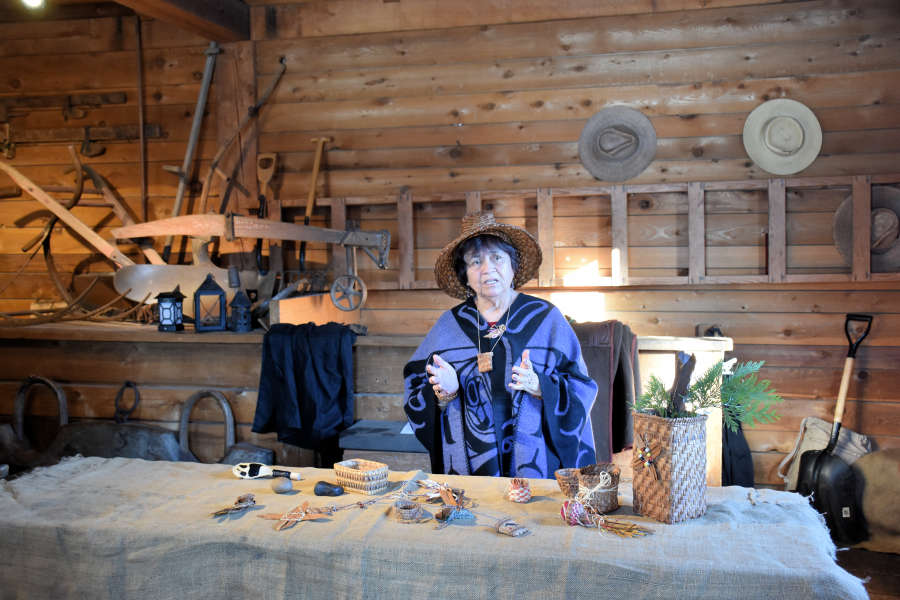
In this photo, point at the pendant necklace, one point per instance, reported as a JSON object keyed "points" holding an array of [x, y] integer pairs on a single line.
{"points": [[495, 332]]}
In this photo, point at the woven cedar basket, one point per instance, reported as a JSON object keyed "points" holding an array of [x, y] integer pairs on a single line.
{"points": [[568, 481], [363, 476], [606, 476], [679, 456]]}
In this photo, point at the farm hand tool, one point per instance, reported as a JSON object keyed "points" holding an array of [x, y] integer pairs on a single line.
{"points": [[311, 197], [375, 244], [825, 477]]}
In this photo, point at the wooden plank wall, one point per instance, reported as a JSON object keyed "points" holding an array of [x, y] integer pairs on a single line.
{"points": [[93, 56], [480, 97]]}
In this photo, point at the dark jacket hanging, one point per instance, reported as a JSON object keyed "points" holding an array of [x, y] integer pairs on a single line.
{"points": [[737, 461], [306, 383], [610, 352]]}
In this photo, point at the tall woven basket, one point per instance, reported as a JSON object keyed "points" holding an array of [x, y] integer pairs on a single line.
{"points": [[672, 487]]}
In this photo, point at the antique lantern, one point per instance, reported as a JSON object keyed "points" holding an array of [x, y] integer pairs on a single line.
{"points": [[240, 312], [209, 306], [169, 305]]}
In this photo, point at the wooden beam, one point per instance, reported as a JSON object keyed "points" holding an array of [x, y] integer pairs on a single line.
{"points": [[50, 203], [545, 235], [473, 202], [862, 228], [238, 226], [339, 221], [696, 232], [619, 258], [777, 231], [221, 21], [406, 240]]}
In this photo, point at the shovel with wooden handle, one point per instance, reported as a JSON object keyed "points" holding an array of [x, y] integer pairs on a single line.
{"points": [[311, 197], [265, 168], [825, 477]]}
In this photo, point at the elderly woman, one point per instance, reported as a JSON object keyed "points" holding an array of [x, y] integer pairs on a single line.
{"points": [[498, 387]]}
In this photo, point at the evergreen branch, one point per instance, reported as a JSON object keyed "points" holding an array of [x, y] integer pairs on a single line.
{"points": [[654, 400], [743, 397]]}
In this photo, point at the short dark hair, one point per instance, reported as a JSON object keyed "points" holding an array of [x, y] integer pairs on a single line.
{"points": [[475, 244]]}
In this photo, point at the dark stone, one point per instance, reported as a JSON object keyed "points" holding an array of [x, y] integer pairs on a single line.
{"points": [[323, 488]]}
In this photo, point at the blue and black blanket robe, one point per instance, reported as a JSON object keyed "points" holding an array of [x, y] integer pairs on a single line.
{"points": [[537, 435]]}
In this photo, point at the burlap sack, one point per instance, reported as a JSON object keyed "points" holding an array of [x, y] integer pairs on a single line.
{"points": [[878, 476], [814, 435]]}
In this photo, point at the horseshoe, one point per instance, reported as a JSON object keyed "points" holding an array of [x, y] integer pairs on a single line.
{"points": [[22, 396]]}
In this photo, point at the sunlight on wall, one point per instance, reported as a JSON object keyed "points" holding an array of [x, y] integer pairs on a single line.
{"points": [[618, 272], [584, 307], [586, 276]]}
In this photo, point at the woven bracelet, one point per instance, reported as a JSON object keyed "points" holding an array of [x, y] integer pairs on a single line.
{"points": [[445, 399]]}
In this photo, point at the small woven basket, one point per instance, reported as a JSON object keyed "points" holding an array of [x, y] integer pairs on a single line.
{"points": [[671, 486], [362, 476], [598, 487], [568, 481]]}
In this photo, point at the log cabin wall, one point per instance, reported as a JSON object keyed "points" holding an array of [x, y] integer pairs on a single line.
{"points": [[433, 109]]}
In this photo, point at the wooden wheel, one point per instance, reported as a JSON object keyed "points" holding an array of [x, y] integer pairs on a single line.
{"points": [[348, 292]]}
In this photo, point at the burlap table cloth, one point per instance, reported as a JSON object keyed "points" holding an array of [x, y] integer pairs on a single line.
{"points": [[125, 528]]}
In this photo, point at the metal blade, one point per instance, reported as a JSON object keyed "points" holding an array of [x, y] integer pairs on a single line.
{"points": [[140, 280]]}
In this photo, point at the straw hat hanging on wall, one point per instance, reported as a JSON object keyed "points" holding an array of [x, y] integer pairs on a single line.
{"points": [[885, 229], [617, 143], [782, 136]]}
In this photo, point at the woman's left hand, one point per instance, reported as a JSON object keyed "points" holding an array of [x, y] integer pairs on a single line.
{"points": [[524, 378]]}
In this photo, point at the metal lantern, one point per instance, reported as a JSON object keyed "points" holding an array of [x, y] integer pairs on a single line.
{"points": [[240, 312], [209, 306], [171, 317]]}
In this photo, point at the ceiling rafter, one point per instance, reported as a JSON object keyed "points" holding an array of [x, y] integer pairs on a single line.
{"points": [[217, 20]]}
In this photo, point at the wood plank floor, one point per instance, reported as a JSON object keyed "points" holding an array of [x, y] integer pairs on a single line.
{"points": [[883, 569]]}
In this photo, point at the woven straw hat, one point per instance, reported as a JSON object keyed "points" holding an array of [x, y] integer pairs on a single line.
{"points": [[885, 229], [483, 223], [617, 143], [782, 136]]}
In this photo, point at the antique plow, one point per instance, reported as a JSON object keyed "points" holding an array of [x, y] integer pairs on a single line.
{"points": [[347, 291]]}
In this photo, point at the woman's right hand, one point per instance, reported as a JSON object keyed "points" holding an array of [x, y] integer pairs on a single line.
{"points": [[442, 376]]}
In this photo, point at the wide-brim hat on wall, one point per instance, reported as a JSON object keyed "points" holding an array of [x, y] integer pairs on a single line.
{"points": [[617, 143], [483, 223], [885, 227], [782, 136]]}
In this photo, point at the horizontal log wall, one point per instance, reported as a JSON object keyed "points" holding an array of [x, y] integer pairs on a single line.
{"points": [[458, 105], [479, 97]]}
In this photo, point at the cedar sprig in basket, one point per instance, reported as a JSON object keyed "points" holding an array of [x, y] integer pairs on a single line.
{"points": [[362, 476]]}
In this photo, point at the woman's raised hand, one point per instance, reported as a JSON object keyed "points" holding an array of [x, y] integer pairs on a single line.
{"points": [[442, 377], [524, 378]]}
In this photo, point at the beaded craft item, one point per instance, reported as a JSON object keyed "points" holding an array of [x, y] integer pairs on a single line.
{"points": [[645, 456], [518, 490], [507, 526], [241, 504]]}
